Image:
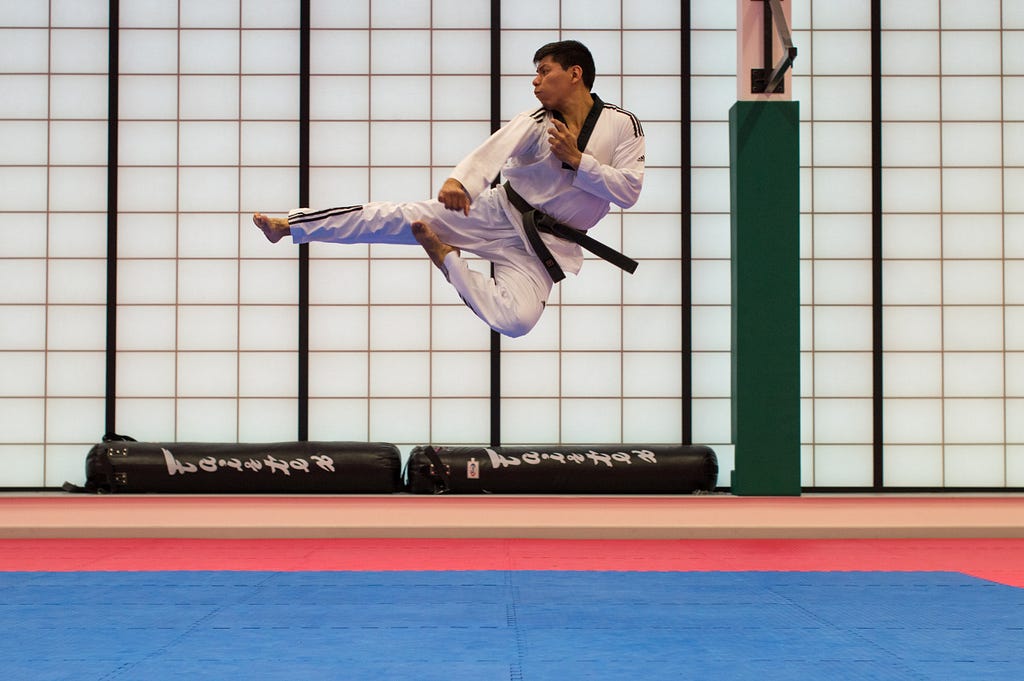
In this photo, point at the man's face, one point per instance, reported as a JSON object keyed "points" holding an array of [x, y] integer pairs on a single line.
{"points": [[552, 84]]}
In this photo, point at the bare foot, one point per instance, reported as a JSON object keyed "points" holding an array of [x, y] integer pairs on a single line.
{"points": [[435, 248], [274, 229]]}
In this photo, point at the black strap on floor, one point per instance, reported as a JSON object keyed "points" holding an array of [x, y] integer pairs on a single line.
{"points": [[535, 221]]}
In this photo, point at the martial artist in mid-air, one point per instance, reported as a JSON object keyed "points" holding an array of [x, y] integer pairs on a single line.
{"points": [[563, 163]]}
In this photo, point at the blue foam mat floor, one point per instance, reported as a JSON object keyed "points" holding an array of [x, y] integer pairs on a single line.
{"points": [[514, 626]]}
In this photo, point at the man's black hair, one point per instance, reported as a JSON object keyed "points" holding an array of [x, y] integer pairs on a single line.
{"points": [[569, 53]]}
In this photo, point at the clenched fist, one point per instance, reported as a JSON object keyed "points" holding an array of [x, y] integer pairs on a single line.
{"points": [[454, 196]]}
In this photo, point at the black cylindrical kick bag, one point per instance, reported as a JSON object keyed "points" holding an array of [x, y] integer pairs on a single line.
{"points": [[199, 467], [622, 469]]}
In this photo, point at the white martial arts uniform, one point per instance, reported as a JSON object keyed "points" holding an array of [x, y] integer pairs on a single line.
{"points": [[611, 170]]}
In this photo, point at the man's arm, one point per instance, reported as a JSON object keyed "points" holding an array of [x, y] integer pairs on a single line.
{"points": [[475, 172], [620, 181]]}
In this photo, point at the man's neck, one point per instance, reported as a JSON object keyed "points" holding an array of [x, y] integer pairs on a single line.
{"points": [[575, 111]]}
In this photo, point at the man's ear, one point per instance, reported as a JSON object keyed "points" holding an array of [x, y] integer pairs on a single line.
{"points": [[576, 72]]}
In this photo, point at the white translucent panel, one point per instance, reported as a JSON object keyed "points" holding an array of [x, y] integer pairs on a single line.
{"points": [[971, 98], [146, 189], [842, 190], [329, 13], [602, 286], [1013, 179], [1014, 374], [711, 374], [462, 374], [206, 420], [24, 374], [25, 142], [910, 144], [23, 189], [209, 52], [339, 144], [339, 187], [709, 191], [1014, 420], [270, 52], [459, 14], [652, 421], [1013, 144], [973, 374], [713, 53], [73, 419], [971, 14], [204, 14], [267, 374], [913, 99], [399, 374], [74, 282], [1013, 54], [147, 51], [25, 235], [400, 52], [910, 53], [1014, 335], [78, 51], [270, 14], [972, 236], [338, 420], [399, 328], [206, 235], [709, 143], [591, 374], [844, 98], [400, 13], [268, 327], [654, 53], [712, 420], [971, 53], [460, 421], [63, 464], [338, 328], [148, 13], [973, 328], [543, 336], [26, 96], [216, 143], [147, 143], [338, 281], [910, 14], [213, 97], [660, 236], [842, 374], [78, 189], [462, 98], [842, 236], [400, 144], [22, 327], [972, 282], [25, 281], [400, 97], [22, 420], [145, 327], [595, 421], [26, 14], [912, 328], [207, 327], [76, 327], [843, 421], [207, 374], [971, 421], [76, 374], [338, 374], [915, 191], [273, 97], [267, 143], [208, 189], [339, 52], [912, 466], [266, 282], [711, 284], [842, 282], [267, 420], [268, 190], [843, 466], [975, 466], [400, 184], [657, 98], [912, 374], [590, 14], [653, 328], [912, 282], [24, 50], [1015, 466], [399, 282], [516, 97], [972, 190], [844, 53], [145, 374], [529, 14], [917, 421], [591, 328], [835, 15], [452, 141], [710, 326], [704, 14], [530, 374], [842, 144], [400, 420], [455, 327], [146, 235], [912, 236]]}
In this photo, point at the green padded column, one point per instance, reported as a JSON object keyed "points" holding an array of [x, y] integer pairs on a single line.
{"points": [[765, 176]]}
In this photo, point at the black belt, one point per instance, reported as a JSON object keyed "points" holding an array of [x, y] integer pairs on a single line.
{"points": [[535, 221]]}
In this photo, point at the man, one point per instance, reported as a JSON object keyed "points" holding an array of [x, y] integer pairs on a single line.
{"points": [[564, 163]]}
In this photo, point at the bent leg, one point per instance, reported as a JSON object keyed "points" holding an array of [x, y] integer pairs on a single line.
{"points": [[511, 303]]}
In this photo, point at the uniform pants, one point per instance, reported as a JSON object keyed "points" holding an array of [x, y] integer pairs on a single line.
{"points": [[510, 303]]}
